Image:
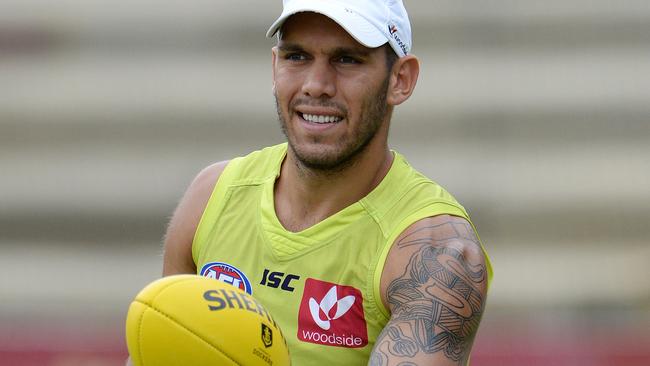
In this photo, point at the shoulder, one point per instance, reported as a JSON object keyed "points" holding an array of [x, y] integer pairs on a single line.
{"points": [[435, 285], [438, 248], [206, 179], [256, 164], [184, 222], [260, 164], [406, 196], [197, 194]]}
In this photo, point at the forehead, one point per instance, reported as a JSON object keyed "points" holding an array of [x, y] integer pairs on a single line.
{"points": [[316, 29]]}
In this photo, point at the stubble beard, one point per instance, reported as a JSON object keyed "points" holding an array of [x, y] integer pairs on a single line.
{"points": [[347, 153]]}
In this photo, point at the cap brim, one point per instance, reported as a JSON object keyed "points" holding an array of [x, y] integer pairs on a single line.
{"points": [[353, 23]]}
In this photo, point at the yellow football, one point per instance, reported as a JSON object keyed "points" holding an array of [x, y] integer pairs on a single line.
{"points": [[188, 320]]}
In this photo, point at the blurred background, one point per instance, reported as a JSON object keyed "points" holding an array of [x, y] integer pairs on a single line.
{"points": [[534, 114]]}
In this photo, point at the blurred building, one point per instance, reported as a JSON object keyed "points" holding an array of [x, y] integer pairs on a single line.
{"points": [[535, 115]]}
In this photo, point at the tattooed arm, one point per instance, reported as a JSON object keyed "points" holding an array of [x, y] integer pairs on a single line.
{"points": [[434, 283]]}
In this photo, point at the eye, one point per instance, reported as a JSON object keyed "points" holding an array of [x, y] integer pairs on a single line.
{"points": [[347, 60], [295, 56]]}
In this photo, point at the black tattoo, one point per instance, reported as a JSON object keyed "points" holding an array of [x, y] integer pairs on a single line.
{"points": [[437, 303], [401, 345], [441, 234]]}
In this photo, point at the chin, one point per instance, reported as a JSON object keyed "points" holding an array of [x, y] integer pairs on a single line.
{"points": [[325, 158]]}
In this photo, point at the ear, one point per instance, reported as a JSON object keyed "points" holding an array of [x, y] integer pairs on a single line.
{"points": [[404, 76]]}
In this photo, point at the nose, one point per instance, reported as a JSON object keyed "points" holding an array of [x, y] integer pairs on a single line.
{"points": [[320, 80]]}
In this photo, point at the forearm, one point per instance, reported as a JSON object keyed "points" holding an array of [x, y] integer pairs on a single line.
{"points": [[415, 342]]}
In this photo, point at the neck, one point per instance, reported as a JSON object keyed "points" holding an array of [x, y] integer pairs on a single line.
{"points": [[304, 197]]}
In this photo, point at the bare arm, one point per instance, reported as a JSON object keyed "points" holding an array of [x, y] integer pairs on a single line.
{"points": [[435, 285], [177, 257]]}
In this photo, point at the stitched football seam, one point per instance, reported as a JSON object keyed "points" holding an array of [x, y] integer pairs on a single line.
{"points": [[189, 330], [140, 335]]}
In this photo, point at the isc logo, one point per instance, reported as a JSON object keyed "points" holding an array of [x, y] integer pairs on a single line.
{"points": [[278, 279]]}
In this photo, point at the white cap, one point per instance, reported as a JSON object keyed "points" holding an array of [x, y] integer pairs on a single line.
{"points": [[370, 22]]}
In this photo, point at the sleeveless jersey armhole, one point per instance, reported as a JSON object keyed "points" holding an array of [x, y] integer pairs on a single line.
{"points": [[434, 209], [212, 209]]}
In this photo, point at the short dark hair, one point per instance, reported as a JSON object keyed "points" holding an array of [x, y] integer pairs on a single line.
{"points": [[391, 56]]}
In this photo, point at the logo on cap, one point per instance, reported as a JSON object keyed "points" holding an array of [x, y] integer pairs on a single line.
{"points": [[332, 315], [392, 29]]}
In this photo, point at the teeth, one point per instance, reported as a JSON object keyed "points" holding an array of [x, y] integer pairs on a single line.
{"points": [[320, 118]]}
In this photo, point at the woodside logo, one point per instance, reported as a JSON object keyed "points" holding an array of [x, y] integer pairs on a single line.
{"points": [[326, 305], [332, 315]]}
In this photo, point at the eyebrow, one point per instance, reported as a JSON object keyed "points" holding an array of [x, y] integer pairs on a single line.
{"points": [[337, 51], [290, 47]]}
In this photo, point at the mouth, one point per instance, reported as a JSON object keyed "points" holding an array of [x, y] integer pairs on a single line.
{"points": [[320, 119]]}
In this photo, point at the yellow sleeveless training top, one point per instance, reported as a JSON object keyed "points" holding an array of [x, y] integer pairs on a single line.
{"points": [[321, 284]]}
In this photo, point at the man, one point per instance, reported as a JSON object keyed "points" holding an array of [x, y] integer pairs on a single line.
{"points": [[360, 259]]}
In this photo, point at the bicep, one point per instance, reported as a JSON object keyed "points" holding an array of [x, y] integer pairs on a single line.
{"points": [[435, 284], [177, 256]]}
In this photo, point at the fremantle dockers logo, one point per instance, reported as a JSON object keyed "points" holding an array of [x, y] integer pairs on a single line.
{"points": [[267, 336]]}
